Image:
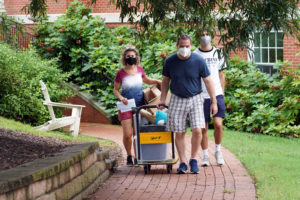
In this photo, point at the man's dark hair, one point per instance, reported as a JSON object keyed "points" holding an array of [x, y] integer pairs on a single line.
{"points": [[184, 37]]}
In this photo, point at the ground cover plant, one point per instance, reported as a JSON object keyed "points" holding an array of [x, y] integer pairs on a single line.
{"points": [[273, 162]]}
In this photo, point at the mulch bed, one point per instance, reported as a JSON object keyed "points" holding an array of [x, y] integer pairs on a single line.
{"points": [[17, 148]]}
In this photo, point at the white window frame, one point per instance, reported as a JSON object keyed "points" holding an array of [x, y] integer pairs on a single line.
{"points": [[251, 52]]}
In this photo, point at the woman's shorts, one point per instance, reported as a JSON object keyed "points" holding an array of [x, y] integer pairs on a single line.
{"points": [[180, 109], [125, 115]]}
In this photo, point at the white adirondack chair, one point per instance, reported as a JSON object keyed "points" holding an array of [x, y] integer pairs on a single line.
{"points": [[55, 123]]}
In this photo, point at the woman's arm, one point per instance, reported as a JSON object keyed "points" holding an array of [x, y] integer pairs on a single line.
{"points": [[151, 81], [117, 87]]}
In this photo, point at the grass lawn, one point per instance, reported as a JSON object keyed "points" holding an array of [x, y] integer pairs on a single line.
{"points": [[13, 125], [273, 162]]}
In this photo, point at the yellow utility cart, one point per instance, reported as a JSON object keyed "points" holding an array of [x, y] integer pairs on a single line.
{"points": [[153, 143]]}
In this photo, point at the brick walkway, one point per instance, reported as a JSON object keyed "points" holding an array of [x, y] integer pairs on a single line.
{"points": [[231, 181]]}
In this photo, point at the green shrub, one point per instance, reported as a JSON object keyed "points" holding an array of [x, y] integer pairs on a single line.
{"points": [[258, 102], [91, 51], [20, 94]]}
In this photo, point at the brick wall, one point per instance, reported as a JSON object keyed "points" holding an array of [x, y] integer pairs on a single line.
{"points": [[290, 47], [242, 54], [102, 6], [89, 113], [57, 7], [13, 7]]}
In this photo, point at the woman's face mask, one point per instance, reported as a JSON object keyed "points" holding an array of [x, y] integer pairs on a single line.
{"points": [[184, 52], [130, 61], [206, 39]]}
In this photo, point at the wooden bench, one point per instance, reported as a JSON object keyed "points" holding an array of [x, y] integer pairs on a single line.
{"points": [[55, 123]]}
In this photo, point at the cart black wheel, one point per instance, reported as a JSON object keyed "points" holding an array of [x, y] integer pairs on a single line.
{"points": [[145, 169], [169, 168], [149, 168]]}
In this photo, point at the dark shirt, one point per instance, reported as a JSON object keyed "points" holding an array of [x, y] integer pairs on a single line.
{"points": [[186, 74]]}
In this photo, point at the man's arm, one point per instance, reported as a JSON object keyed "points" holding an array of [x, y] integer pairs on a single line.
{"points": [[211, 91], [222, 80], [164, 91]]}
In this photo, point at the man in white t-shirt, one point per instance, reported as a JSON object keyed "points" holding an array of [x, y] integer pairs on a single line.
{"points": [[215, 65]]}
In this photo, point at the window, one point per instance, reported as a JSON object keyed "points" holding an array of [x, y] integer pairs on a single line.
{"points": [[267, 50]]}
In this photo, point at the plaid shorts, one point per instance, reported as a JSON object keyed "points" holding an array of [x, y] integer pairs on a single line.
{"points": [[182, 108]]}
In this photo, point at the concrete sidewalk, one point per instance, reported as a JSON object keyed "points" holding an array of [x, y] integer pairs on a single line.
{"points": [[230, 181]]}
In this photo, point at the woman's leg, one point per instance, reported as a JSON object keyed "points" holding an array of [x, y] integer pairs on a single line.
{"points": [[127, 135]]}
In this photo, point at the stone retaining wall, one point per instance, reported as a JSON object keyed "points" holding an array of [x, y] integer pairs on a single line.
{"points": [[71, 174]]}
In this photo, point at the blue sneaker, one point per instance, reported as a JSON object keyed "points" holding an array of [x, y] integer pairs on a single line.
{"points": [[194, 166], [182, 168]]}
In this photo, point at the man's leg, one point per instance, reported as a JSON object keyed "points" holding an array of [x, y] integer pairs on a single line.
{"points": [[195, 141], [127, 138], [204, 141], [195, 144], [197, 123], [218, 126], [218, 133], [180, 146], [204, 145]]}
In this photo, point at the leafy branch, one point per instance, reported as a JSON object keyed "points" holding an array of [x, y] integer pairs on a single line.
{"points": [[233, 21]]}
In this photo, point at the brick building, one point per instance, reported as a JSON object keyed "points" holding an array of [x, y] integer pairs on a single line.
{"points": [[266, 49]]}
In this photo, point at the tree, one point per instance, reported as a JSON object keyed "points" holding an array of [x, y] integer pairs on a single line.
{"points": [[38, 8], [234, 21]]}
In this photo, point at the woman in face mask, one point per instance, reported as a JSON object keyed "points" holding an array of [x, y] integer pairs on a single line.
{"points": [[130, 78]]}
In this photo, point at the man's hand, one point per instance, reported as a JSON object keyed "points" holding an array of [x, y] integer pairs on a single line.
{"points": [[160, 105], [214, 108]]}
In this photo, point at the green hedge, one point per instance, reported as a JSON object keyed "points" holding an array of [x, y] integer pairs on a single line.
{"points": [[258, 102], [20, 92]]}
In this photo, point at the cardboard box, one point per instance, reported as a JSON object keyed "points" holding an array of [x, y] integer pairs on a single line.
{"points": [[152, 97], [151, 93]]}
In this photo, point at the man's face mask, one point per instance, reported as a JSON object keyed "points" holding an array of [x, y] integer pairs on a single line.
{"points": [[206, 39], [184, 52], [130, 61]]}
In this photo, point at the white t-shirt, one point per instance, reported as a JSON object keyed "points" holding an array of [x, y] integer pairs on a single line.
{"points": [[214, 65]]}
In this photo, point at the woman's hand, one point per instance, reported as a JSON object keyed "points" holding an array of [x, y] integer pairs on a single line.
{"points": [[158, 82], [124, 100]]}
